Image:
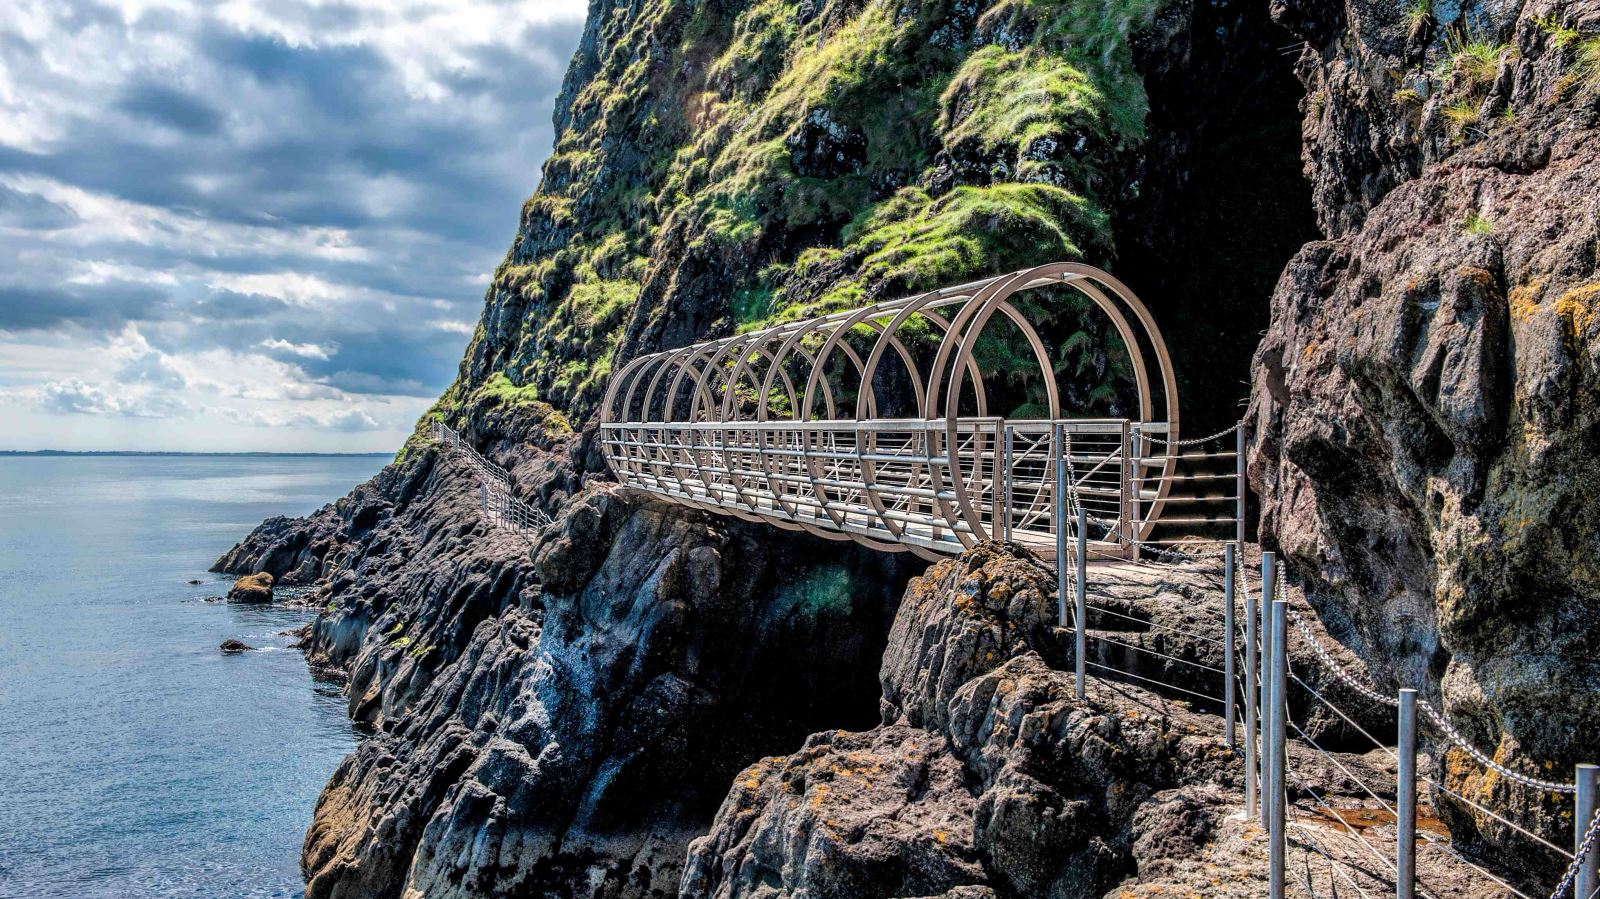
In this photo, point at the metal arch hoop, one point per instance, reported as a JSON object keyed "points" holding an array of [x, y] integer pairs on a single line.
{"points": [[822, 471], [976, 314]]}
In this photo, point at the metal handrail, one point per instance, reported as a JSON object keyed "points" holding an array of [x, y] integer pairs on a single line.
{"points": [[495, 496]]}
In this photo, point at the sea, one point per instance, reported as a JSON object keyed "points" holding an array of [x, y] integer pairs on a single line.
{"points": [[136, 760]]}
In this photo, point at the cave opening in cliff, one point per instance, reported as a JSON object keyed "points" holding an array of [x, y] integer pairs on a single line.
{"points": [[1219, 202]]}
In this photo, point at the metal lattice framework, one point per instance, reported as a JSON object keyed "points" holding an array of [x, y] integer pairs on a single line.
{"points": [[783, 425]]}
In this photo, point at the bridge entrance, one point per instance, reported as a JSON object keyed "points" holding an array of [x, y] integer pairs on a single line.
{"points": [[879, 424]]}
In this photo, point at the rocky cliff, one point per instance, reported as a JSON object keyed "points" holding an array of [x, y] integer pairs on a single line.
{"points": [[566, 716], [1424, 406]]}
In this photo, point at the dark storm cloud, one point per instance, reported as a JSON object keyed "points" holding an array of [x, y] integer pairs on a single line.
{"points": [[278, 138], [227, 305], [101, 307], [163, 105], [20, 209]]}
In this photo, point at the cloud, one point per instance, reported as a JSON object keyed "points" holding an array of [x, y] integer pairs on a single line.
{"points": [[307, 193], [19, 209], [349, 421], [303, 350], [168, 106], [73, 397], [108, 306]]}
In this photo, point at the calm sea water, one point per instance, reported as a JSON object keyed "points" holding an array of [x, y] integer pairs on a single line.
{"points": [[135, 759]]}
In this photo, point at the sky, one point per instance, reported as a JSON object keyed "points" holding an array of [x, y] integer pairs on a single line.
{"points": [[257, 226]]}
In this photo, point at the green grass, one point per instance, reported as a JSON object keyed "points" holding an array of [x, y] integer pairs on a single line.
{"points": [[498, 388], [1477, 225], [915, 242], [1588, 53], [1418, 15], [1560, 35], [1476, 57], [1019, 98], [1461, 115]]}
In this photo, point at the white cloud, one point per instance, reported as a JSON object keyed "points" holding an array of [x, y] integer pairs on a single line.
{"points": [[74, 397], [286, 209], [303, 350], [350, 420]]}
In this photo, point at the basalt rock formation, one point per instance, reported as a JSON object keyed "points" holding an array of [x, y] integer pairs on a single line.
{"points": [[1424, 407], [564, 715]]}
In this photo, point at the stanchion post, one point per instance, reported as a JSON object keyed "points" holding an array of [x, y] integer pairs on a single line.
{"points": [[1238, 464], [1269, 580], [1061, 524], [1586, 803], [1406, 800], [1280, 713], [1081, 600], [1227, 642], [1130, 503], [1252, 706], [1006, 475], [997, 493]]}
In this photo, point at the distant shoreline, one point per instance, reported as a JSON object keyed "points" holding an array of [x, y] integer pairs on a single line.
{"points": [[13, 453]]}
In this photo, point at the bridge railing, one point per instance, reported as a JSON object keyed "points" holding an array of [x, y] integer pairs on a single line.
{"points": [[1261, 670], [917, 483]]}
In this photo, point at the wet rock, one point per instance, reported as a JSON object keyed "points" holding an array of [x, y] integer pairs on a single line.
{"points": [[233, 646], [252, 588]]}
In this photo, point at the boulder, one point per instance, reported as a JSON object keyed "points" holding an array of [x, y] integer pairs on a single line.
{"points": [[233, 646], [252, 588]]}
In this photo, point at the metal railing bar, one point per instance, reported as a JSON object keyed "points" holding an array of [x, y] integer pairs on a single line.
{"points": [[1333, 863], [1345, 771], [1155, 624], [1519, 829], [1156, 653], [1165, 686], [1340, 712]]}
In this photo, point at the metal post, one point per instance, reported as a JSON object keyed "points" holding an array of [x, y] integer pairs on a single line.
{"points": [[1081, 609], [1269, 579], [1405, 885], [1007, 476], [1586, 804], [1135, 479], [1130, 540], [1280, 714], [1227, 642], [1061, 524], [997, 500], [1252, 727], [1238, 464]]}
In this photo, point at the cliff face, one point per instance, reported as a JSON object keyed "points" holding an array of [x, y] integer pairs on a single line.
{"points": [[722, 165], [1424, 405], [565, 717]]}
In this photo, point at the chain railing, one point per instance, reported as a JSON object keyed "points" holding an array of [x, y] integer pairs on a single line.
{"points": [[1575, 869], [500, 505], [1582, 870], [1264, 678]]}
